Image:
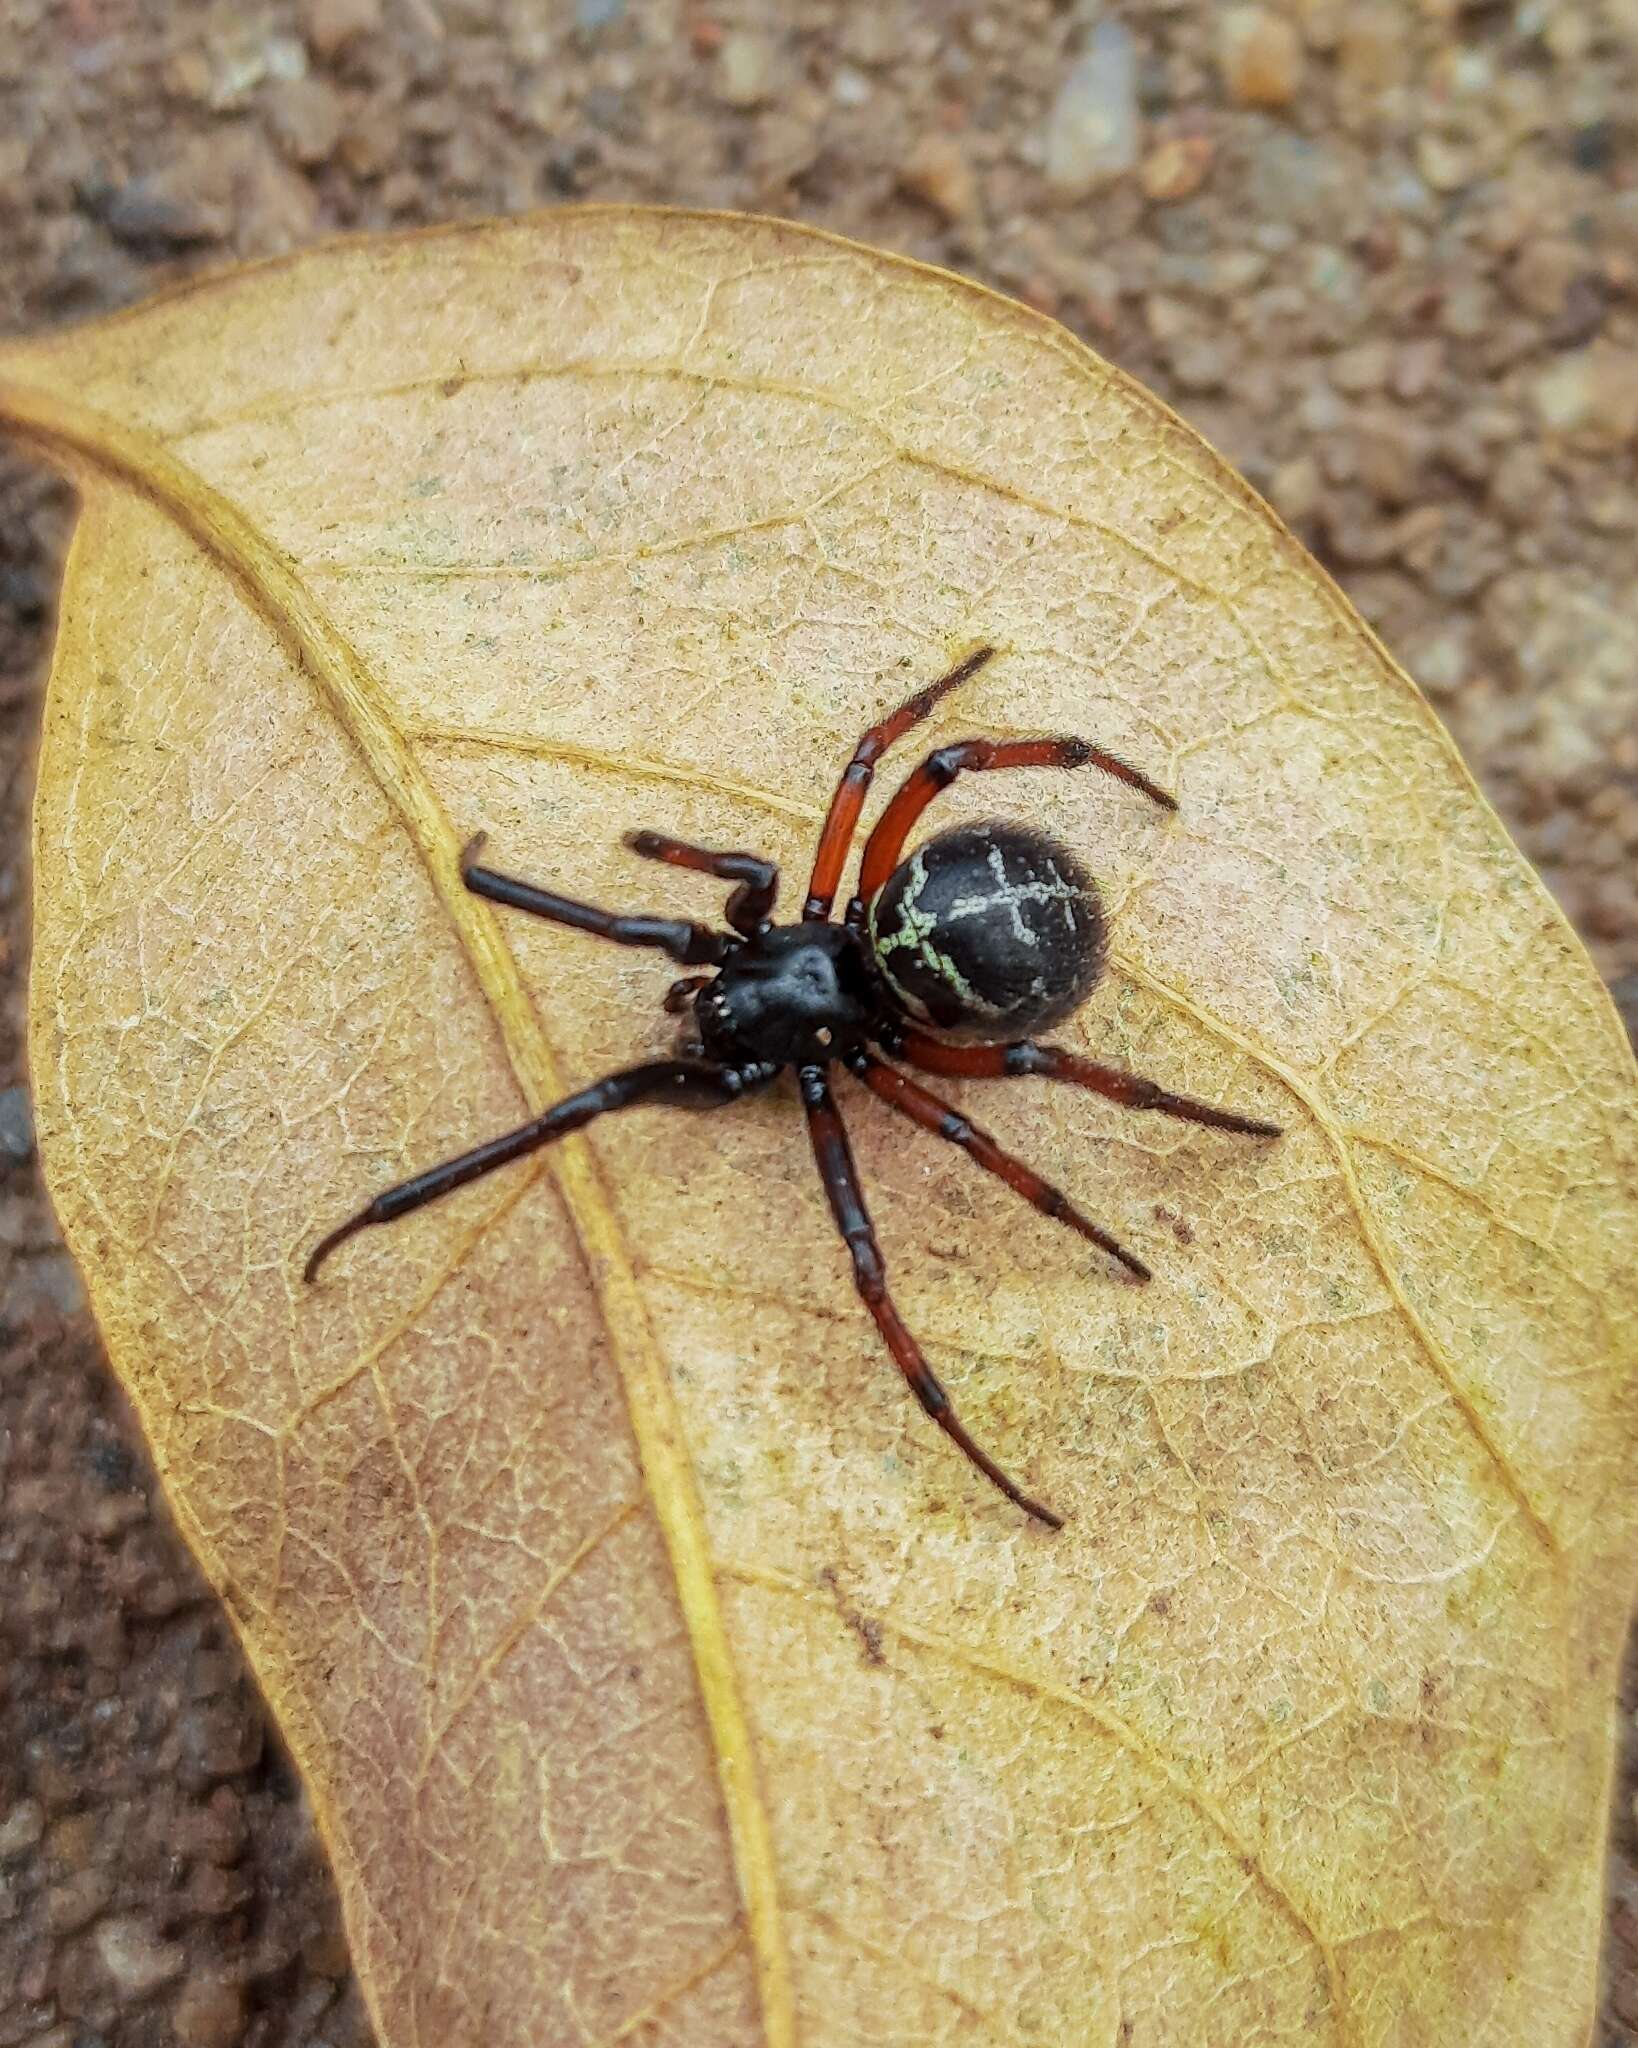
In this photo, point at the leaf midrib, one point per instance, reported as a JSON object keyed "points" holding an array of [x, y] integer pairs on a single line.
{"points": [[274, 586]]}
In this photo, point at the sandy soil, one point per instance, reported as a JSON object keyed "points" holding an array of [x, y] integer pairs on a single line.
{"points": [[1385, 256]]}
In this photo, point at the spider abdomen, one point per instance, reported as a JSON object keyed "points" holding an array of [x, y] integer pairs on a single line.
{"points": [[989, 930]]}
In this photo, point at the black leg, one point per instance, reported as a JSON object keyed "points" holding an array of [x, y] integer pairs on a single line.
{"points": [[692, 945], [922, 1107], [1052, 1063], [751, 904], [837, 1170], [675, 1084]]}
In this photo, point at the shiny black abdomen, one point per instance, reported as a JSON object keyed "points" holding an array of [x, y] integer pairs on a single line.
{"points": [[797, 994], [988, 931]]}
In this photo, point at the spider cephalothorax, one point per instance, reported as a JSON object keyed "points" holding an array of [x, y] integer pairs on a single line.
{"points": [[986, 933]]}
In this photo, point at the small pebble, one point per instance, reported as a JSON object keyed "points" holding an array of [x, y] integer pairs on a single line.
{"points": [[188, 75], [1447, 165], [1417, 367], [1373, 51], [216, 1830], [370, 145], [246, 57], [221, 1737], [872, 36], [1608, 908], [1388, 461], [308, 116], [937, 172], [1235, 271], [1610, 509], [1177, 168], [22, 1827], [72, 1843], [77, 1900], [1567, 33], [1092, 130], [331, 25], [1521, 484], [1200, 363], [210, 2013], [135, 1957], [163, 211], [213, 1892], [1590, 395], [1365, 367], [591, 15], [1166, 318], [55, 1278], [16, 1127], [1442, 665], [1294, 489], [1543, 273], [1260, 56], [745, 65], [1468, 310]]}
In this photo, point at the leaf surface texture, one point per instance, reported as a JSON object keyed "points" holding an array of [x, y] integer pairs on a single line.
{"points": [[658, 1674]]}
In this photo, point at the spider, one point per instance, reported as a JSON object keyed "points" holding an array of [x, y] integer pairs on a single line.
{"points": [[946, 960]]}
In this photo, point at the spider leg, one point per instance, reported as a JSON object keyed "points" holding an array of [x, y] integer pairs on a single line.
{"points": [[692, 945], [836, 834], [886, 843], [910, 1099], [751, 904], [1053, 1063], [834, 1157], [677, 1084]]}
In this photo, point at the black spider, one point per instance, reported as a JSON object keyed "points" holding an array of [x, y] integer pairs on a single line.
{"points": [[985, 933]]}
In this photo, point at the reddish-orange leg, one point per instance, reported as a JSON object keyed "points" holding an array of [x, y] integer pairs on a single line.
{"points": [[840, 1175], [944, 1121], [886, 843], [1052, 1063], [751, 904], [836, 835]]}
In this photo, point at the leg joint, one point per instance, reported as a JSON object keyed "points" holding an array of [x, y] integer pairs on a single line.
{"points": [[869, 1271], [929, 1393]]}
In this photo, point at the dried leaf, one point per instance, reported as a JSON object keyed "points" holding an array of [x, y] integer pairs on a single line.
{"points": [[659, 1676]]}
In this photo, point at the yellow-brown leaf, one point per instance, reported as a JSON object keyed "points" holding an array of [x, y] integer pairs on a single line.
{"points": [[659, 1675]]}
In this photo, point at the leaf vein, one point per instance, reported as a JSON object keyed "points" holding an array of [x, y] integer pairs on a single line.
{"points": [[273, 584]]}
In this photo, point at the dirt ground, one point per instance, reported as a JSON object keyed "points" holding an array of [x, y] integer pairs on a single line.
{"points": [[1385, 256]]}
